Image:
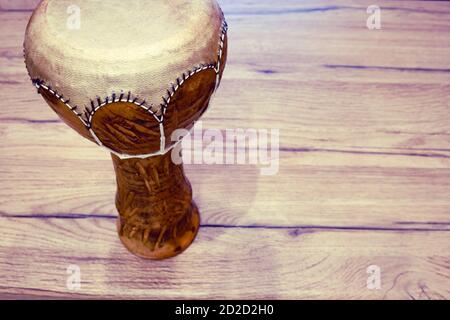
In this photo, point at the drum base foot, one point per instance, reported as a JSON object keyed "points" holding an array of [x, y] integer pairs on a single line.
{"points": [[171, 243]]}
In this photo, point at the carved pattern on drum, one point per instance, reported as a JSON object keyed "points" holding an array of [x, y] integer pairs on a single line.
{"points": [[154, 200], [126, 128]]}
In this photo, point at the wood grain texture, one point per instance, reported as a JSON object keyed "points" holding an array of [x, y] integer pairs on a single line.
{"points": [[313, 187], [364, 171], [283, 263], [15, 5]]}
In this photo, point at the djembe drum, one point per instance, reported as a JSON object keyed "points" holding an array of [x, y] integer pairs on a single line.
{"points": [[126, 75]]}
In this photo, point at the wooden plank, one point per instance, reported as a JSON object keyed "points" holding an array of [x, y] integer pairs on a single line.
{"points": [[58, 173], [18, 5], [282, 7], [377, 94], [363, 180], [264, 263], [414, 121]]}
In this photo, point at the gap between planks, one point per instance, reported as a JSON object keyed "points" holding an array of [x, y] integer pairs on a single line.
{"points": [[79, 216]]}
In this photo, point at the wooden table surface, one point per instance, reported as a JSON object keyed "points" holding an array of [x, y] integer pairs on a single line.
{"points": [[364, 178]]}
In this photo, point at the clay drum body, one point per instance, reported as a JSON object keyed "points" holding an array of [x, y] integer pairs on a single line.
{"points": [[126, 75]]}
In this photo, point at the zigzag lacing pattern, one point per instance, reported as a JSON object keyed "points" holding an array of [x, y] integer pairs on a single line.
{"points": [[39, 84], [202, 67], [179, 82], [88, 114]]}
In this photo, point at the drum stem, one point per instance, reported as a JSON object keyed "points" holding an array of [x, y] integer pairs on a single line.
{"points": [[158, 218]]}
